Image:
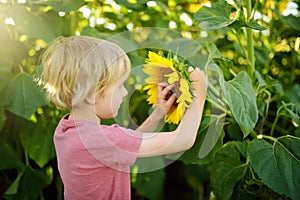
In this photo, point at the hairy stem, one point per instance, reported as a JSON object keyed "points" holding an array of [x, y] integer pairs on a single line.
{"points": [[249, 32]]}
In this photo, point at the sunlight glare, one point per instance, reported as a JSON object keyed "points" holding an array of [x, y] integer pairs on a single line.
{"points": [[291, 9], [187, 20], [151, 4], [86, 12], [10, 21]]}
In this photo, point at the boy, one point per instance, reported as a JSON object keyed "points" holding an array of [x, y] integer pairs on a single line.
{"points": [[86, 75]]}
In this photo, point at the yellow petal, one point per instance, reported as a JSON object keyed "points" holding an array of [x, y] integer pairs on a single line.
{"points": [[173, 77], [175, 115], [154, 58]]}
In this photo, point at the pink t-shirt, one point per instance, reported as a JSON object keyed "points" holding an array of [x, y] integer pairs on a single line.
{"points": [[94, 160]]}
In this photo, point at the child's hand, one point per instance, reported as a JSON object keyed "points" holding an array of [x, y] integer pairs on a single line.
{"points": [[200, 82], [165, 99]]}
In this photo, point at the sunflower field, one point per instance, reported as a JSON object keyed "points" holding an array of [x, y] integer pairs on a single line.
{"points": [[248, 143]]}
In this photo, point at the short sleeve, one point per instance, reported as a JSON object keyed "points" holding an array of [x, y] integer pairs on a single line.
{"points": [[113, 146]]}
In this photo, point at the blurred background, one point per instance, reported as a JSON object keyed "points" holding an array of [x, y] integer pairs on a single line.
{"points": [[249, 49]]}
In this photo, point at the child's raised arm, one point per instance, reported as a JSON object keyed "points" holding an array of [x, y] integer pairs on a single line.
{"points": [[164, 104], [184, 136]]}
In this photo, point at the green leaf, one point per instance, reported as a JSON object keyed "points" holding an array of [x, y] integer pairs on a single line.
{"points": [[290, 110], [23, 96], [208, 141], [140, 5], [89, 31], [13, 188], [11, 51], [37, 140], [29, 183], [196, 175], [241, 99], [190, 50], [227, 169], [291, 20], [255, 25], [278, 164], [65, 5], [149, 184], [9, 158], [234, 132], [2, 118], [124, 41], [5, 78], [215, 17], [260, 80], [218, 74], [183, 47], [294, 94], [34, 24]]}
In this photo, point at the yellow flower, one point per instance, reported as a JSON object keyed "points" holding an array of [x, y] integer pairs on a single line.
{"points": [[157, 59], [161, 69]]}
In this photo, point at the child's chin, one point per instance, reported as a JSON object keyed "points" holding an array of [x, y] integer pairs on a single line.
{"points": [[114, 114]]}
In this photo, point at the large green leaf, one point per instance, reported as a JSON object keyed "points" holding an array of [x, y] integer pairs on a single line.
{"points": [[23, 96], [29, 183], [34, 24], [208, 141], [37, 140], [11, 51], [278, 165], [149, 184], [241, 99], [5, 78], [9, 158], [65, 5], [215, 17], [219, 16], [227, 169]]}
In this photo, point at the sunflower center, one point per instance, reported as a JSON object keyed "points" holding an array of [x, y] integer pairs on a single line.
{"points": [[163, 78]]}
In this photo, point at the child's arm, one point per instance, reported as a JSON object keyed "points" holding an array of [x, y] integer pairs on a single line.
{"points": [[163, 105], [184, 136]]}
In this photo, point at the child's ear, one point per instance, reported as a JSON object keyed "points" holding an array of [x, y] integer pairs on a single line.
{"points": [[91, 100]]}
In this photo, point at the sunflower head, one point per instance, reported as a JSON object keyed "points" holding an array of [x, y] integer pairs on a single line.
{"points": [[172, 71]]}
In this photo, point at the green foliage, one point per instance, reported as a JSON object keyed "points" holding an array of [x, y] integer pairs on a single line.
{"points": [[242, 101], [282, 158], [23, 96], [228, 165], [248, 141]]}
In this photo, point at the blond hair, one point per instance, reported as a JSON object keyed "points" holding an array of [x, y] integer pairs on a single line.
{"points": [[77, 67]]}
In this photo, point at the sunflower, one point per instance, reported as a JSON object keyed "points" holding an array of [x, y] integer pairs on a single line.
{"points": [[170, 70]]}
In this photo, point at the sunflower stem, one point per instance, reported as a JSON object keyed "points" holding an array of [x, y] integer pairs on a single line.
{"points": [[219, 106], [249, 35], [213, 90]]}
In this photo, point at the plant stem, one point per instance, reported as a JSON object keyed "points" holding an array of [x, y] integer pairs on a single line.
{"points": [[219, 106], [270, 138], [254, 10], [213, 90], [273, 126], [249, 36], [26, 158], [241, 44]]}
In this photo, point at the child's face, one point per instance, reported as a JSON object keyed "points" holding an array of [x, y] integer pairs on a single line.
{"points": [[108, 105]]}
